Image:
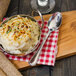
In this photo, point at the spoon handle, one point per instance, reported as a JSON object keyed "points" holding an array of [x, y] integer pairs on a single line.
{"points": [[35, 57]]}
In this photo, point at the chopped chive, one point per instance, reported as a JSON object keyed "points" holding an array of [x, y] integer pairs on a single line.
{"points": [[9, 31]]}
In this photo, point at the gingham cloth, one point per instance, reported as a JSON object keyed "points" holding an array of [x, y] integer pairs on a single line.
{"points": [[49, 50]]}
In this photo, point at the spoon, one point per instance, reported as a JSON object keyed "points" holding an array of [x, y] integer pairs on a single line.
{"points": [[53, 24]]}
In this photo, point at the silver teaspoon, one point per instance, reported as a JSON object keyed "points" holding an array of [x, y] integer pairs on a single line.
{"points": [[53, 24]]}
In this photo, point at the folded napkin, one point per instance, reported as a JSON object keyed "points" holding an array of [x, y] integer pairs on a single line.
{"points": [[49, 50]]}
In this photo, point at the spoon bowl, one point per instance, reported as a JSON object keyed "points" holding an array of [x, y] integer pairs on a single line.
{"points": [[54, 21]]}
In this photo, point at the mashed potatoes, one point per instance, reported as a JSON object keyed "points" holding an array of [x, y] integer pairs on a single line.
{"points": [[19, 35]]}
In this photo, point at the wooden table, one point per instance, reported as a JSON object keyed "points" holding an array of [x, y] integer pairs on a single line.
{"points": [[63, 67]]}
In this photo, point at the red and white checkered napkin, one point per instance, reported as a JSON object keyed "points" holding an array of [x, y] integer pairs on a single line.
{"points": [[49, 50]]}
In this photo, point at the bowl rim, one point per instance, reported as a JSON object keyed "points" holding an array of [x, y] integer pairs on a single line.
{"points": [[35, 46]]}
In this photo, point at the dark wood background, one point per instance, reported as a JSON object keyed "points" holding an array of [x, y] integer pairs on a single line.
{"points": [[63, 67]]}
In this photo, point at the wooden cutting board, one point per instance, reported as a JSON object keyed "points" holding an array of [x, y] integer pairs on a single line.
{"points": [[66, 40]]}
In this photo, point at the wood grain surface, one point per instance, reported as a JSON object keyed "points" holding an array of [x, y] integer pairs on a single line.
{"points": [[66, 39]]}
